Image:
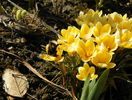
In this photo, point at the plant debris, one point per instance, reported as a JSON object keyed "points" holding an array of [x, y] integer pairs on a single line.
{"points": [[15, 83]]}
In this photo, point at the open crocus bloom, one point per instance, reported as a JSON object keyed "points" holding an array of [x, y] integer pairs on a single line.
{"points": [[68, 41], [72, 30], [71, 48], [126, 24], [68, 36], [86, 32], [115, 18], [84, 71], [103, 59], [100, 29], [109, 41], [86, 50], [91, 17], [126, 39]]}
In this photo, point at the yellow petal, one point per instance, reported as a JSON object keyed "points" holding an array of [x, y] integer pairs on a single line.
{"points": [[81, 49], [47, 48], [126, 40], [106, 29], [110, 65], [116, 17], [97, 29], [92, 70], [93, 77], [63, 32], [90, 47], [108, 41], [85, 50], [101, 58], [91, 12], [84, 71], [124, 25], [126, 37], [80, 77], [84, 30], [72, 47], [81, 70], [47, 57], [59, 50], [86, 66]]}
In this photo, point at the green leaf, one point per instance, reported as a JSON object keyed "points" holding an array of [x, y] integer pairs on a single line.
{"points": [[91, 84], [85, 89], [98, 87]]}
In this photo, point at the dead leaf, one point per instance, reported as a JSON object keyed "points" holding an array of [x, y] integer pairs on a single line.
{"points": [[15, 83]]}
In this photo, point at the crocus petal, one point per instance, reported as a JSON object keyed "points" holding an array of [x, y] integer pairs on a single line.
{"points": [[47, 57], [72, 47], [125, 39], [81, 49], [106, 29], [109, 42], [110, 65], [91, 12], [92, 70], [100, 29], [90, 47], [102, 58], [85, 50], [97, 29], [84, 30]]}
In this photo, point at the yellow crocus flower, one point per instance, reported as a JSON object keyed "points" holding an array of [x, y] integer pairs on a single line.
{"points": [[103, 59], [100, 29], [126, 39], [72, 30], [125, 25], [114, 18], [69, 34], [109, 41], [86, 32], [69, 39], [84, 71], [71, 48], [86, 50], [89, 18]]}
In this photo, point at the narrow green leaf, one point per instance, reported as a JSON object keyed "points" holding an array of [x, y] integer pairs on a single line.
{"points": [[98, 87], [91, 84], [85, 91]]}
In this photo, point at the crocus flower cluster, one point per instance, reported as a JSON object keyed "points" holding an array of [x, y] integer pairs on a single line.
{"points": [[95, 41]]}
